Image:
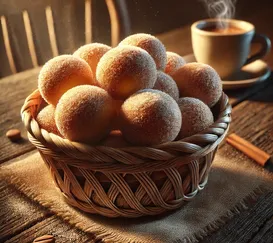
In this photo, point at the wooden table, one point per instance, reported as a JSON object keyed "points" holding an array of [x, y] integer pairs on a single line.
{"points": [[252, 119]]}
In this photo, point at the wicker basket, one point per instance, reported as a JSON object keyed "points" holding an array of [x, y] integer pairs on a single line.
{"points": [[132, 181]]}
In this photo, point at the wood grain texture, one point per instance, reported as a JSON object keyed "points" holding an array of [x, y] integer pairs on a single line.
{"points": [[69, 25], [6, 40], [18, 42], [120, 22], [250, 224], [63, 232], [27, 214], [88, 21], [51, 31], [40, 35], [29, 34], [14, 90], [265, 233], [253, 119], [5, 67]]}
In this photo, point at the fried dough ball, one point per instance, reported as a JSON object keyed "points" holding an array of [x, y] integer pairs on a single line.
{"points": [[150, 117], [124, 70], [92, 53], [61, 74], [84, 114], [197, 116], [46, 121], [174, 62], [166, 84], [151, 44], [200, 81]]}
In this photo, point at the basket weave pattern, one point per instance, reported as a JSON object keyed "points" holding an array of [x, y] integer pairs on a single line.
{"points": [[131, 181]]}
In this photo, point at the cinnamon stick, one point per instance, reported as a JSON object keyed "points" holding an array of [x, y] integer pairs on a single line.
{"points": [[248, 149]]}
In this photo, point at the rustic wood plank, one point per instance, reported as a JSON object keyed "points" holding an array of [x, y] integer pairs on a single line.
{"points": [[5, 69], [69, 25], [243, 227], [265, 234], [18, 41], [14, 90], [252, 119], [53, 225], [17, 212]]}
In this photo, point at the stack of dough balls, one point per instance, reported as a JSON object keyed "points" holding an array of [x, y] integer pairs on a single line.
{"points": [[135, 94]]}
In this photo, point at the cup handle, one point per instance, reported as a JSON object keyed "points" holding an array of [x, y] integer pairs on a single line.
{"points": [[265, 47]]}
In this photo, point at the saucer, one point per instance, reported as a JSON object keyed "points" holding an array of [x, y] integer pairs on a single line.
{"points": [[255, 72]]}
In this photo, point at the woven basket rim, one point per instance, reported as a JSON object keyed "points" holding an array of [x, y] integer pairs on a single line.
{"points": [[193, 147]]}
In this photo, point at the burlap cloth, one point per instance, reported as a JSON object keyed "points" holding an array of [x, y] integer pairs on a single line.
{"points": [[232, 182]]}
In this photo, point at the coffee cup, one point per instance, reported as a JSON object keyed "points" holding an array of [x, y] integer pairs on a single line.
{"points": [[226, 45]]}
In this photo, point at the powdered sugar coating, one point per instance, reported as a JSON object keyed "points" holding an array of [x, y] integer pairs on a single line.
{"points": [[200, 81], [166, 84], [92, 53], [150, 117], [150, 44], [174, 62], [45, 119], [124, 70], [61, 74], [84, 114], [197, 116]]}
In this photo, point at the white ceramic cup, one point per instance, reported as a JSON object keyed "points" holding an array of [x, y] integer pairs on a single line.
{"points": [[226, 52]]}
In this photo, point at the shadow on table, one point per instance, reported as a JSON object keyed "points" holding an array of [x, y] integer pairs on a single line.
{"points": [[262, 92]]}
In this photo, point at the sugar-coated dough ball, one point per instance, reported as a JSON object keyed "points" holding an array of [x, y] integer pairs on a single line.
{"points": [[166, 84], [200, 81], [115, 140], [124, 70], [84, 114], [150, 117], [174, 62], [61, 74], [151, 44], [45, 119], [197, 116], [92, 53]]}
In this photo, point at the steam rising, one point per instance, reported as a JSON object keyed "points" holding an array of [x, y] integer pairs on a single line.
{"points": [[220, 9]]}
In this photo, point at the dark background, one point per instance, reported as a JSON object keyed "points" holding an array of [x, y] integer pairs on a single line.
{"points": [[150, 16]]}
